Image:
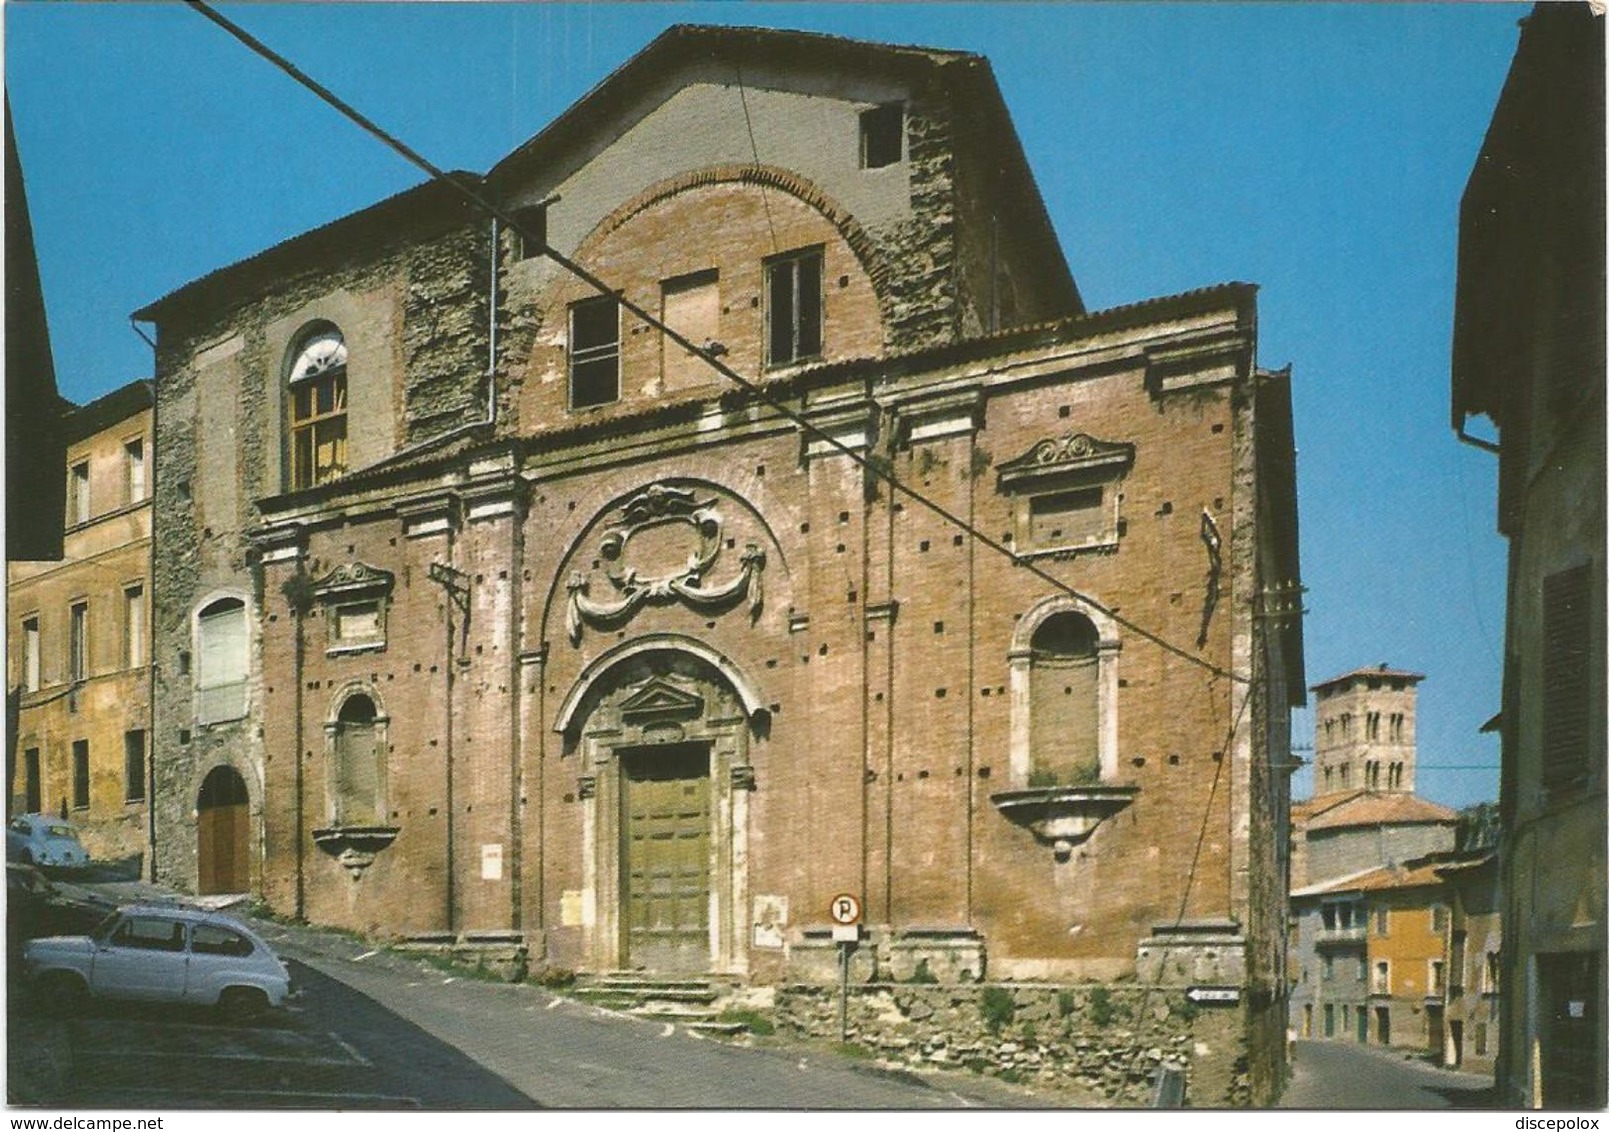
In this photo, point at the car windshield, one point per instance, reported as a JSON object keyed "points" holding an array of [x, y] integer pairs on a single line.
{"points": [[103, 930], [66, 831]]}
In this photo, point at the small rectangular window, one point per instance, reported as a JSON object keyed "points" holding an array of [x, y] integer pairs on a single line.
{"points": [[1438, 918], [133, 626], [30, 655], [1382, 978], [134, 469], [80, 774], [882, 135], [134, 766], [594, 352], [1382, 921], [78, 494], [78, 643], [530, 231], [793, 307], [33, 788]]}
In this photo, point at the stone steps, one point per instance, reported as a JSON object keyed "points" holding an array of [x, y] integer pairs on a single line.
{"points": [[693, 1003]]}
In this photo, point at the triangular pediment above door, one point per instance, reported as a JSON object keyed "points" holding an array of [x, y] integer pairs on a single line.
{"points": [[660, 699]]}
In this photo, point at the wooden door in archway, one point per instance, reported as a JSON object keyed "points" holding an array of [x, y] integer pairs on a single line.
{"points": [[666, 850], [223, 833]]}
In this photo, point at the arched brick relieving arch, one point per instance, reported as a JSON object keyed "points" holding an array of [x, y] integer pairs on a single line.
{"points": [[765, 176]]}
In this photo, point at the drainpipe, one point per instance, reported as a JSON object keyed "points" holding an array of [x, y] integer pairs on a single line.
{"points": [[301, 760], [150, 636], [491, 335], [447, 738]]}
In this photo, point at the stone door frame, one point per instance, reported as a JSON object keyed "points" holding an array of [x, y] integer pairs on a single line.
{"points": [[646, 708]]}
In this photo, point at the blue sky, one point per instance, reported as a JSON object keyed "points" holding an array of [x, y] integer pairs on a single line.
{"points": [[1317, 150]]}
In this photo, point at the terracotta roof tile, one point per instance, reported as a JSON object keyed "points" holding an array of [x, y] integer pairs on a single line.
{"points": [[1381, 809]]}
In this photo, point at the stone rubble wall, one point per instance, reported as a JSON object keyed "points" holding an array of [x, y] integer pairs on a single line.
{"points": [[1106, 1040]]}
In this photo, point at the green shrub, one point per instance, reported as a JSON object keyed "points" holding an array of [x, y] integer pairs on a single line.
{"points": [[1066, 1002], [923, 973], [555, 978], [1042, 778], [1100, 1007], [998, 1008], [758, 1024]]}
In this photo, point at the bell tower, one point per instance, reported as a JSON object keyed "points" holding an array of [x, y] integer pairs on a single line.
{"points": [[1364, 732]]}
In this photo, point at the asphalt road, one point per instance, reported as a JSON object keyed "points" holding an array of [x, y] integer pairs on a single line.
{"points": [[378, 1030], [1345, 1075]]}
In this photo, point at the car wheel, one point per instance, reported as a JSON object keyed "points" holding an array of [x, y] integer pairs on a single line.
{"points": [[62, 992], [240, 1005]]}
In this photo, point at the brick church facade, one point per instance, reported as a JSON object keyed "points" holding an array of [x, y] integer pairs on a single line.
{"points": [[482, 606]]}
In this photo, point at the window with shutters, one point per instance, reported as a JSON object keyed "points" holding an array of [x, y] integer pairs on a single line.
{"points": [[30, 655], [221, 665], [594, 352], [1566, 675], [793, 310], [134, 469], [80, 774], [32, 781], [134, 766], [78, 494], [78, 642], [134, 626]]}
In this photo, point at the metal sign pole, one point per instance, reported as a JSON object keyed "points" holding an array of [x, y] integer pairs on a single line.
{"points": [[845, 912], [843, 991]]}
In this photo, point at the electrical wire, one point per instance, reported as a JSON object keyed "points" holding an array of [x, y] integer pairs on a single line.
{"points": [[714, 362]]}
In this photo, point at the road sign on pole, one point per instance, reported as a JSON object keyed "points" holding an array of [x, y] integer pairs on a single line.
{"points": [[845, 913]]}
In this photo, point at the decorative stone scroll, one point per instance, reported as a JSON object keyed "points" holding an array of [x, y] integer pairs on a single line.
{"points": [[1073, 452], [653, 527], [353, 579]]}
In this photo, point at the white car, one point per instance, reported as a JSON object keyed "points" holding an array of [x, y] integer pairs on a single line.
{"points": [[165, 953], [44, 841]]}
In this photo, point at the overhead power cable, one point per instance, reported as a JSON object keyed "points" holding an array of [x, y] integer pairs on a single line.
{"points": [[714, 362]]}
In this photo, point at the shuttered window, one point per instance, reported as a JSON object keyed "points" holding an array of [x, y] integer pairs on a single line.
{"points": [[1566, 672], [222, 661], [594, 352]]}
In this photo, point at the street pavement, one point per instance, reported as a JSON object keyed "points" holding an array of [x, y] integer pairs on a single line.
{"points": [[380, 1029], [1345, 1075]]}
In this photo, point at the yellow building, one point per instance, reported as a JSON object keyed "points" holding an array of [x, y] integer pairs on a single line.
{"points": [[1408, 927], [78, 635]]}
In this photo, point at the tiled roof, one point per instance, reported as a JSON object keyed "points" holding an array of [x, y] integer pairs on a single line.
{"points": [[1377, 671], [1417, 874], [1381, 809], [1304, 811]]}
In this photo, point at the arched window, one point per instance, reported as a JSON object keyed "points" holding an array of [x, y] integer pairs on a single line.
{"points": [[357, 745], [317, 381], [222, 663]]}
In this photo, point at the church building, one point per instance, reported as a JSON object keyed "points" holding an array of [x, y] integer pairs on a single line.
{"points": [[484, 605]]}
